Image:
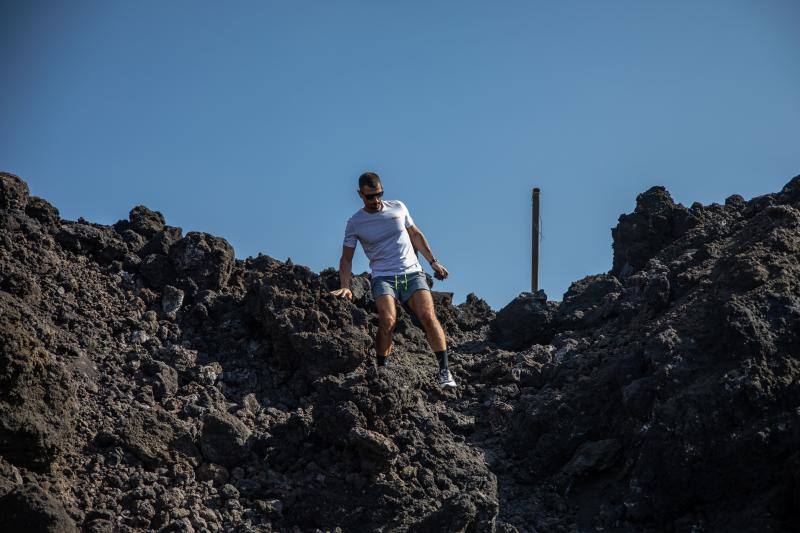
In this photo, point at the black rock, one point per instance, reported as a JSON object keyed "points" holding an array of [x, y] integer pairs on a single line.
{"points": [[526, 320], [205, 259], [146, 222], [225, 439], [31, 508], [656, 222], [13, 192]]}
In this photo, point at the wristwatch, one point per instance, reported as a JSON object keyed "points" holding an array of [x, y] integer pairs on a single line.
{"points": [[432, 261]]}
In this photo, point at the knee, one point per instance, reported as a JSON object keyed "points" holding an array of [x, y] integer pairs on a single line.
{"points": [[428, 319], [387, 323]]}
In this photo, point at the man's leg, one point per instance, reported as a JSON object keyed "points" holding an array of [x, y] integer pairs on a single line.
{"points": [[387, 318], [421, 302]]}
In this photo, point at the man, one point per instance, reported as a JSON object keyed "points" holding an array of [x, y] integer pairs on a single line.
{"points": [[390, 239]]}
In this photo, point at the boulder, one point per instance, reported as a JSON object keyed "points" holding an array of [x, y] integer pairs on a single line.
{"points": [[37, 398], [526, 320], [13, 192], [43, 211], [162, 241], [146, 222], [205, 259], [83, 238], [31, 508], [656, 222], [156, 438], [171, 300], [473, 313], [585, 302], [225, 439], [157, 270]]}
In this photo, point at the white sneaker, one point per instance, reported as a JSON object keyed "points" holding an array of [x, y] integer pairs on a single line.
{"points": [[446, 379]]}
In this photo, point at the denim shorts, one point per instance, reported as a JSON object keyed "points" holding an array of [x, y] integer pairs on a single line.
{"points": [[401, 286]]}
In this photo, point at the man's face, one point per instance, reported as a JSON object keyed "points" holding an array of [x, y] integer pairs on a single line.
{"points": [[371, 197]]}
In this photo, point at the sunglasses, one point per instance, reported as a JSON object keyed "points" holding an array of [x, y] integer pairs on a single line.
{"points": [[373, 196]]}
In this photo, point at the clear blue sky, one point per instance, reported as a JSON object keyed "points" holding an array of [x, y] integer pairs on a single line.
{"points": [[253, 119]]}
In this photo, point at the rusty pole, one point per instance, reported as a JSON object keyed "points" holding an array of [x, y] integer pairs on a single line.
{"points": [[535, 230]]}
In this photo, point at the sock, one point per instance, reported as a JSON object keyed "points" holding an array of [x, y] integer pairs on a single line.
{"points": [[442, 358], [381, 360]]}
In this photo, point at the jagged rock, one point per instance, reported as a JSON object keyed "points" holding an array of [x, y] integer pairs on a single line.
{"points": [[157, 270], [171, 300], [662, 396], [162, 241], [225, 439], [656, 222], [85, 239], [526, 320], [156, 438], [593, 457], [179, 357], [42, 211], [213, 472], [373, 445], [791, 191], [458, 513], [146, 222], [165, 379], [203, 258], [9, 477], [37, 398], [13, 192], [473, 313], [587, 301], [30, 508]]}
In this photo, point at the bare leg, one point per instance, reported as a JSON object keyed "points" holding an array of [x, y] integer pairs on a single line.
{"points": [[421, 303], [387, 318]]}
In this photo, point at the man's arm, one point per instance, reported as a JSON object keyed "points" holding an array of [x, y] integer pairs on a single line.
{"points": [[345, 272], [346, 267], [420, 243]]}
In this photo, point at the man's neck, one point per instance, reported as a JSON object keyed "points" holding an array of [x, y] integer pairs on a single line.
{"points": [[380, 208]]}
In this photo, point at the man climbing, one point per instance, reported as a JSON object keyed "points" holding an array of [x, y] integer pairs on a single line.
{"points": [[390, 239]]}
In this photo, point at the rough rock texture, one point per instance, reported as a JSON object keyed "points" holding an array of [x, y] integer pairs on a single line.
{"points": [[151, 381], [31, 508], [656, 222]]}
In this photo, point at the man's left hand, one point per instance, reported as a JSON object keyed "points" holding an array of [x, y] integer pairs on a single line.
{"points": [[439, 271]]}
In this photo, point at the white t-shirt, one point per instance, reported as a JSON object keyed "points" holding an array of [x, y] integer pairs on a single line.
{"points": [[384, 238]]}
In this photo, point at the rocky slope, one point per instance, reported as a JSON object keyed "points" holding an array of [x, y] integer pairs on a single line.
{"points": [[151, 381]]}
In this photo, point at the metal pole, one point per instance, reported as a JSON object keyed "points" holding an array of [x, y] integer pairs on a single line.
{"points": [[535, 230]]}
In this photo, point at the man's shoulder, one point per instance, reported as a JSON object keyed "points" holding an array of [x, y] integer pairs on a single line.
{"points": [[394, 204], [355, 216]]}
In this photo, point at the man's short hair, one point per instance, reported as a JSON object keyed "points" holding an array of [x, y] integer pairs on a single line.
{"points": [[369, 179]]}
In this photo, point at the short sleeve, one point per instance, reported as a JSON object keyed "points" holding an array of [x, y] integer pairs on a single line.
{"points": [[350, 237], [408, 220]]}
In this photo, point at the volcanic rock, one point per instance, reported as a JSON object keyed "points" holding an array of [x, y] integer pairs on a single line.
{"points": [[30, 508], [41, 210], [13, 192], [151, 381], [224, 439], [37, 402], [656, 222], [524, 321], [146, 222], [205, 259]]}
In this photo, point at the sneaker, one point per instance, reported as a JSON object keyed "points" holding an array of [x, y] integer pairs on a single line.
{"points": [[446, 379]]}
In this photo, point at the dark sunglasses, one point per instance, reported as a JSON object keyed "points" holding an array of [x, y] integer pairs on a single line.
{"points": [[373, 196]]}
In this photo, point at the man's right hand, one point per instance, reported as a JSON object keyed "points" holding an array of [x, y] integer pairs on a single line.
{"points": [[344, 293]]}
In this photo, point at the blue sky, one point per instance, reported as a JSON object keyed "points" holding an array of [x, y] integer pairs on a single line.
{"points": [[253, 119]]}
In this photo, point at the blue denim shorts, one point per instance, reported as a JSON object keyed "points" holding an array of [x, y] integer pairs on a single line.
{"points": [[401, 286]]}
